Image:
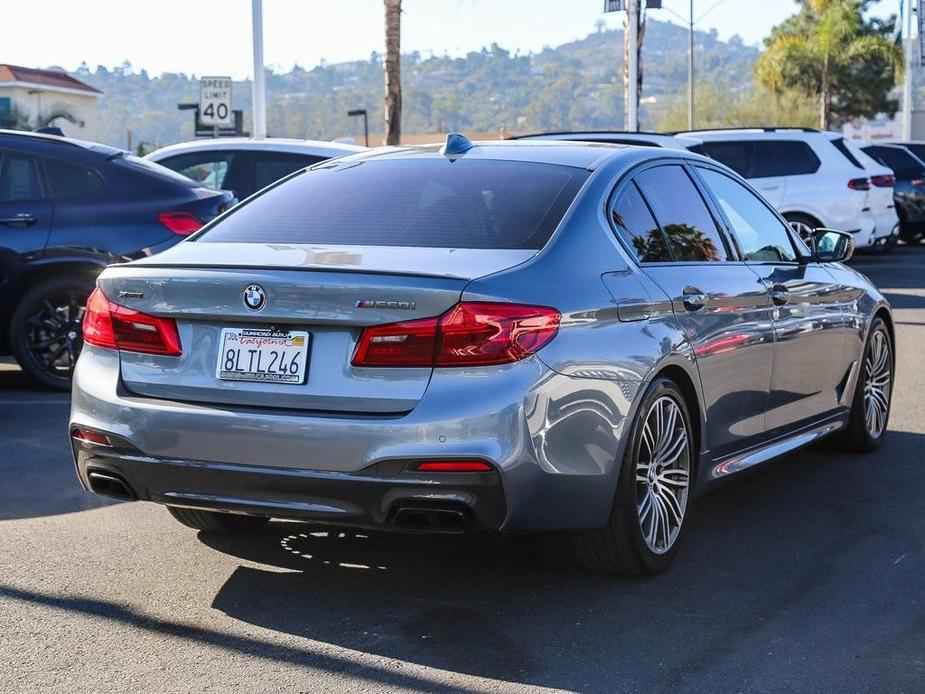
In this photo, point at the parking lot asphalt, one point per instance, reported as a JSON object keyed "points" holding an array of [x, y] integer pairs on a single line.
{"points": [[806, 575]]}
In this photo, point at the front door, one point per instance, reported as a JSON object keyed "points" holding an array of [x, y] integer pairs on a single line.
{"points": [[810, 323], [25, 214]]}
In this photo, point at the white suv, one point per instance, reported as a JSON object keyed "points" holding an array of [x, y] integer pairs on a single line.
{"points": [[813, 178]]}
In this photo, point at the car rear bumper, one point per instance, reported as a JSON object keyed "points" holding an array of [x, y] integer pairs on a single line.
{"points": [[554, 443]]}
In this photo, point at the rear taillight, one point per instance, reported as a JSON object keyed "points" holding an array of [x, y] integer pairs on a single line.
{"points": [[469, 334], [180, 223], [887, 181], [859, 184], [113, 326]]}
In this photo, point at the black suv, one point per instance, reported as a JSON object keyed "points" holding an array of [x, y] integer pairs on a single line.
{"points": [[68, 209]]}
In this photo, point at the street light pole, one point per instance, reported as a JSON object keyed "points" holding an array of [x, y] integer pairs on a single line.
{"points": [[362, 112], [690, 69], [907, 76], [259, 94], [632, 108]]}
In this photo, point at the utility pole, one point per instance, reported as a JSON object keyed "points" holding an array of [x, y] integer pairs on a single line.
{"points": [[259, 85], [632, 108], [907, 77], [690, 70]]}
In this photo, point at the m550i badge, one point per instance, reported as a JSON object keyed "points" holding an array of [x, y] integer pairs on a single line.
{"points": [[388, 305]]}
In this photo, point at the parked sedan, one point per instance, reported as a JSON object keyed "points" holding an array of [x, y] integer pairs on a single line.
{"points": [[69, 208], [908, 189], [508, 337], [244, 165]]}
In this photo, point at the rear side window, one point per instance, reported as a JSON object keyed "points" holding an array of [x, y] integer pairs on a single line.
{"points": [[270, 167], [436, 203], [19, 177], [764, 158], [67, 180], [839, 144], [682, 214], [904, 165], [791, 157], [637, 226]]}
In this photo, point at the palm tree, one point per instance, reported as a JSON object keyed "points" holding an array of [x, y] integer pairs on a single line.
{"points": [[20, 120], [809, 53], [392, 72]]}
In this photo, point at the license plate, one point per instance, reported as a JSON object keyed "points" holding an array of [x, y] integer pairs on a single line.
{"points": [[263, 356]]}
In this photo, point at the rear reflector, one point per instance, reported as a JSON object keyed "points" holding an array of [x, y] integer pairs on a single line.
{"points": [[887, 181], [453, 466], [113, 326], [859, 184], [90, 436], [469, 334], [180, 223]]}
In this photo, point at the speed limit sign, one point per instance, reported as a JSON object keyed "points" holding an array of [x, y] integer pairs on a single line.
{"points": [[215, 101]]}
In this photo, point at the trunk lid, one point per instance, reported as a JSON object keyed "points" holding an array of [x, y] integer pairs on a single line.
{"points": [[331, 293]]}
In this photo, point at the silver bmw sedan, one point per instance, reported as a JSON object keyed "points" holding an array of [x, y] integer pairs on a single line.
{"points": [[502, 337]]}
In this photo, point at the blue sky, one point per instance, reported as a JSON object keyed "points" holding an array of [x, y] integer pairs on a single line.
{"points": [[213, 36]]}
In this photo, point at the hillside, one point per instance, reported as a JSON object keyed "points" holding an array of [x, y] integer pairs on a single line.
{"points": [[576, 85]]}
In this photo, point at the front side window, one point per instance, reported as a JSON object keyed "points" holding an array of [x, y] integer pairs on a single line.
{"points": [[19, 177], [761, 234], [424, 202], [637, 227], [682, 214]]}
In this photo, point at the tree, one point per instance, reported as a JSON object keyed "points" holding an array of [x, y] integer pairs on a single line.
{"points": [[392, 65], [829, 51], [20, 120]]}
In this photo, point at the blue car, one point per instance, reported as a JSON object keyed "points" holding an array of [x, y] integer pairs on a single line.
{"points": [[68, 209]]}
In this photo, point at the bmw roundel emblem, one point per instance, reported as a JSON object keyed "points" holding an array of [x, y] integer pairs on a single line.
{"points": [[254, 297]]}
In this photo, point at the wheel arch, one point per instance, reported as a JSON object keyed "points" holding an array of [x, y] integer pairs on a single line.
{"points": [[31, 276], [681, 378]]}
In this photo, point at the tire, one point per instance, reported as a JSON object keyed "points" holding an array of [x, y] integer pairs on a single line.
{"points": [[45, 330], [216, 522], [625, 545], [876, 375], [801, 222]]}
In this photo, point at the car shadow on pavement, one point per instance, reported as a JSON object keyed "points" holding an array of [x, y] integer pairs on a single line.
{"points": [[765, 556], [36, 469]]}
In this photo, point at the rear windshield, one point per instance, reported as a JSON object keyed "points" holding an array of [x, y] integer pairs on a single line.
{"points": [[904, 165], [432, 203]]}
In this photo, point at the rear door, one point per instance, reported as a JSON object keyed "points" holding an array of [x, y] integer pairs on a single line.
{"points": [[25, 210], [722, 306], [810, 323]]}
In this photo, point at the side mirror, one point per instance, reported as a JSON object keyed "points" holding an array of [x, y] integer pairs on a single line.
{"points": [[831, 246]]}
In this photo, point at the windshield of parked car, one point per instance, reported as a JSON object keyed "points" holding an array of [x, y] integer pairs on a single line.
{"points": [[433, 203]]}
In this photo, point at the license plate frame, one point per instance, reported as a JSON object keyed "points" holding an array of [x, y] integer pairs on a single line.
{"points": [[253, 348]]}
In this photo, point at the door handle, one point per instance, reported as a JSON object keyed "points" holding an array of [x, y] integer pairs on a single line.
{"points": [[693, 298], [774, 186], [780, 295], [24, 219]]}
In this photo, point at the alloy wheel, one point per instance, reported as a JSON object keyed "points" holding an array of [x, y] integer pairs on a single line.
{"points": [[878, 373], [53, 332], [662, 474]]}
